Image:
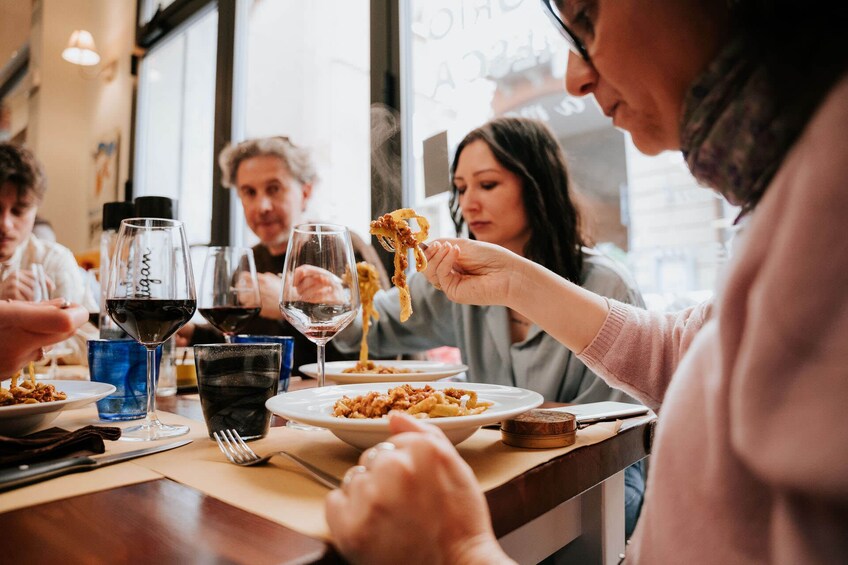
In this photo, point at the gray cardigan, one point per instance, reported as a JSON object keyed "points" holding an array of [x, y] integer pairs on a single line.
{"points": [[538, 363]]}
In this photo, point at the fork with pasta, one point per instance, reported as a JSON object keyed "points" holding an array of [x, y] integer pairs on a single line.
{"points": [[396, 236]]}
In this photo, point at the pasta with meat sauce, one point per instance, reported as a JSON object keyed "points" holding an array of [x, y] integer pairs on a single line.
{"points": [[29, 391], [425, 402]]}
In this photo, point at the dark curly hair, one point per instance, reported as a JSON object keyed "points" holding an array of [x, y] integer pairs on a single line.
{"points": [[529, 149], [20, 167]]}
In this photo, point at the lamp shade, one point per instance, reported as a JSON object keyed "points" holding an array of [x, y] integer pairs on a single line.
{"points": [[81, 49]]}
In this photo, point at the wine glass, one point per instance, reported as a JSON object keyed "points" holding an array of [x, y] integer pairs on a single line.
{"points": [[150, 296], [229, 290], [320, 294], [40, 293]]}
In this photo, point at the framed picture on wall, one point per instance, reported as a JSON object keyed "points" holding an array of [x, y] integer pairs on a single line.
{"points": [[104, 185]]}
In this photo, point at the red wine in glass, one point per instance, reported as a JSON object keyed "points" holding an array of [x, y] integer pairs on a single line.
{"points": [[150, 295], [150, 321], [229, 290], [229, 320]]}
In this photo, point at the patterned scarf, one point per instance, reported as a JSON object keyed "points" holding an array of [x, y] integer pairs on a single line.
{"points": [[733, 135]]}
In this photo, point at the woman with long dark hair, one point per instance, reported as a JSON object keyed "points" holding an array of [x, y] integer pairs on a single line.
{"points": [[528, 150], [511, 188]]}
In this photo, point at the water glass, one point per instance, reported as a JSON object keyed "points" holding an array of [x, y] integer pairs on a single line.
{"points": [[234, 381], [122, 363]]}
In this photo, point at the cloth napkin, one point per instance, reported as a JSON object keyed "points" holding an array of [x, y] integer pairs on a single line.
{"points": [[54, 442]]}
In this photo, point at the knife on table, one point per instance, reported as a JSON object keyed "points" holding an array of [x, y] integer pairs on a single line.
{"points": [[21, 475]]}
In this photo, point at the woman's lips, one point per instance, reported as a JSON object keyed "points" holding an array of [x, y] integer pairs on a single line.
{"points": [[478, 225]]}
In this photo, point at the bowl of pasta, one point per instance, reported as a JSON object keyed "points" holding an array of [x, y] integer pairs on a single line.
{"points": [[357, 413], [27, 407]]}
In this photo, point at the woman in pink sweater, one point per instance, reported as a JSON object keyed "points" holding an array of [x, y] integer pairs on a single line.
{"points": [[750, 462]]}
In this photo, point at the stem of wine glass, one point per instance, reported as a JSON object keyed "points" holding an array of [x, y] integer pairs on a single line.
{"points": [[321, 364], [228, 338], [151, 385], [51, 373]]}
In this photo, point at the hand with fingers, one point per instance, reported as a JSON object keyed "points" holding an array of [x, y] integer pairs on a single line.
{"points": [[412, 499], [317, 285], [270, 289], [184, 335], [27, 327], [473, 272], [21, 285]]}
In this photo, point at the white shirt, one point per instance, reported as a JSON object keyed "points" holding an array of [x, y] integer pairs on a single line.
{"points": [[62, 268], [59, 264]]}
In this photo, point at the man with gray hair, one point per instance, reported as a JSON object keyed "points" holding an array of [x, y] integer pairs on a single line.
{"points": [[274, 180]]}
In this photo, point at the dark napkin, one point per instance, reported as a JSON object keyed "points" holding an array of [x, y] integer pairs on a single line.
{"points": [[53, 443]]}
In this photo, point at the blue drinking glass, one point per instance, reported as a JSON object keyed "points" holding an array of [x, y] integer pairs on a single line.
{"points": [[287, 344], [123, 363]]}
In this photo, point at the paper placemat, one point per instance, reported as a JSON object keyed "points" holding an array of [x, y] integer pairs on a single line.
{"points": [[278, 491], [282, 493], [120, 474]]}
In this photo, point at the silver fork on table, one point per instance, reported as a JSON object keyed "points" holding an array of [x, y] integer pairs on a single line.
{"points": [[238, 452]]}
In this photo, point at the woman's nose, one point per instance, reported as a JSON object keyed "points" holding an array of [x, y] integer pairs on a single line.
{"points": [[469, 200], [581, 78]]}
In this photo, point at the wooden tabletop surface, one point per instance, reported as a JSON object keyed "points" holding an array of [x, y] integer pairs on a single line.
{"points": [[163, 521]]}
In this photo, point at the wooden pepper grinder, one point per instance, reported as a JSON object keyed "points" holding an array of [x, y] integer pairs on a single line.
{"points": [[540, 429]]}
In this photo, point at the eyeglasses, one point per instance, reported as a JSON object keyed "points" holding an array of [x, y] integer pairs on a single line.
{"points": [[574, 43]]}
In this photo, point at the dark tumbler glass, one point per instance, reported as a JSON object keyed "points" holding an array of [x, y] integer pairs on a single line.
{"points": [[234, 381]]}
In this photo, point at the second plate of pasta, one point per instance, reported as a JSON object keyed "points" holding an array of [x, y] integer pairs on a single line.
{"points": [[406, 371], [314, 406]]}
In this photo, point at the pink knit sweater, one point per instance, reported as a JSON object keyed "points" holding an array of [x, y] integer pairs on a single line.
{"points": [[750, 462]]}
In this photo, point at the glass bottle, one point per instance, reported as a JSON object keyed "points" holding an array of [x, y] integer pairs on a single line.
{"points": [[113, 213]]}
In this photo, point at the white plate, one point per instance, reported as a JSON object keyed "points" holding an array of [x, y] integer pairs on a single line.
{"points": [[430, 371], [21, 419], [314, 406]]}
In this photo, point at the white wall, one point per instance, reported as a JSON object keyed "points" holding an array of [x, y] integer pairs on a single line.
{"points": [[71, 107]]}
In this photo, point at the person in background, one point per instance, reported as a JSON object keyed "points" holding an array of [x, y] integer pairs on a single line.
{"points": [[274, 180], [748, 463], [29, 327], [510, 187], [22, 189]]}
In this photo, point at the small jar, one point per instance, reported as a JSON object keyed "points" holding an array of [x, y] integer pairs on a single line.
{"points": [[540, 429]]}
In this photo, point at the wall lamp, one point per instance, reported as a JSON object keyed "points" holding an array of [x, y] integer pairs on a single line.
{"points": [[82, 51]]}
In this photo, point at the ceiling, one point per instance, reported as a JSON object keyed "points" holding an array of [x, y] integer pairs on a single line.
{"points": [[14, 27]]}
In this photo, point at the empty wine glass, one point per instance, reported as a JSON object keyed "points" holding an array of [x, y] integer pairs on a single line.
{"points": [[40, 293], [150, 296], [229, 290], [320, 294]]}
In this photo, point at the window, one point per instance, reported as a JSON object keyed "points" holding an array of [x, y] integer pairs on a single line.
{"points": [[176, 119], [473, 61], [306, 75]]}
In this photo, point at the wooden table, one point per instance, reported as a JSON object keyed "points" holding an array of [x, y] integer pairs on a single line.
{"points": [[575, 498]]}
